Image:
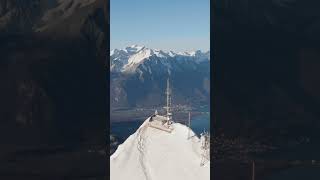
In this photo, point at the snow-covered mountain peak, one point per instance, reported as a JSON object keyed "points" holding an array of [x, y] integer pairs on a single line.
{"points": [[195, 53], [129, 58], [160, 53], [134, 48], [140, 56], [115, 52], [191, 53], [151, 153], [144, 53], [172, 54]]}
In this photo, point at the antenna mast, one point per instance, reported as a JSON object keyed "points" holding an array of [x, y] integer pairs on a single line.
{"points": [[189, 125], [168, 107]]}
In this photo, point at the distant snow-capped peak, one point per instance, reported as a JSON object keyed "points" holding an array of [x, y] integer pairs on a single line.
{"points": [[145, 53], [161, 53], [140, 55], [127, 51], [134, 48], [129, 58]]}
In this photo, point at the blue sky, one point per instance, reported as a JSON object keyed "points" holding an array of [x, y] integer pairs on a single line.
{"points": [[180, 25]]}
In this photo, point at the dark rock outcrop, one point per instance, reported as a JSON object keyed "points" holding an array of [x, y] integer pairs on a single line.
{"points": [[114, 143], [55, 81]]}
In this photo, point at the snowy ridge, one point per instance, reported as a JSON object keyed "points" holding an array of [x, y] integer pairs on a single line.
{"points": [[128, 59], [140, 55], [150, 153], [142, 150]]}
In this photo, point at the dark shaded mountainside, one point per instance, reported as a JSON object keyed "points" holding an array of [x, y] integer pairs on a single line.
{"points": [[53, 89], [266, 70], [144, 85]]}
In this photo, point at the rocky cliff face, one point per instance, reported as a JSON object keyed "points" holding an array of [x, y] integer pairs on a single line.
{"points": [[265, 68], [53, 87], [54, 16], [53, 107]]}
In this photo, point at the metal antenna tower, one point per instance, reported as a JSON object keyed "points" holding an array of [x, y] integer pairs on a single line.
{"points": [[189, 125], [168, 107]]}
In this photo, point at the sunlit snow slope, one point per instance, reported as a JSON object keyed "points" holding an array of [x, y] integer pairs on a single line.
{"points": [[150, 153]]}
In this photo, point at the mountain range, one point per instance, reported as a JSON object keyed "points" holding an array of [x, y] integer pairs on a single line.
{"points": [[139, 74]]}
